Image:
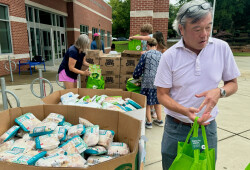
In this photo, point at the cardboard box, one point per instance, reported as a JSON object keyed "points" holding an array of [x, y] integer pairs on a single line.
{"points": [[126, 128], [139, 114], [93, 60], [128, 65], [110, 65], [129, 53], [94, 53], [111, 81], [123, 80]]}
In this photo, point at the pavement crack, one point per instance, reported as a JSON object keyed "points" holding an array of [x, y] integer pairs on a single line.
{"points": [[234, 134], [152, 163]]}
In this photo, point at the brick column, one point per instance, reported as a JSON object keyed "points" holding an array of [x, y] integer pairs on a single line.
{"points": [[155, 12]]}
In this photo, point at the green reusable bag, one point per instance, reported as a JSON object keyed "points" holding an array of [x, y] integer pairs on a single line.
{"points": [[189, 155], [133, 85], [95, 83], [134, 45]]}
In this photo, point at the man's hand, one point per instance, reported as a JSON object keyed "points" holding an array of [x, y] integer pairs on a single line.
{"points": [[131, 38], [192, 114], [211, 99]]}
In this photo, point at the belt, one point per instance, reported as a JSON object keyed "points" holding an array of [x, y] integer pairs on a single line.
{"points": [[180, 122]]}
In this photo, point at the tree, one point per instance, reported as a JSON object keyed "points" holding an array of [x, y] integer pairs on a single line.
{"points": [[172, 15], [120, 17]]}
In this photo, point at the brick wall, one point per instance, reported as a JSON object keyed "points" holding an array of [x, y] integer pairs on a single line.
{"points": [[19, 34], [59, 5], [156, 6]]}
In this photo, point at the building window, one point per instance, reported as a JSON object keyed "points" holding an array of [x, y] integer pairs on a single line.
{"points": [[94, 30], [45, 18], [103, 35], [108, 39], [5, 40], [84, 29]]}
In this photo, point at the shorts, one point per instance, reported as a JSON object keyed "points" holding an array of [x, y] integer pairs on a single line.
{"points": [[63, 77]]}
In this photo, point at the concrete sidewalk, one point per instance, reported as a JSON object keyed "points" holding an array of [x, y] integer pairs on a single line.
{"points": [[232, 121]]}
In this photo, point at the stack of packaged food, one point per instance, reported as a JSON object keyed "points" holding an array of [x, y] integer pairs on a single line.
{"points": [[102, 102], [56, 143]]}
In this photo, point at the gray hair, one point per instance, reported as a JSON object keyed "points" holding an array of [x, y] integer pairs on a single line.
{"points": [[182, 14], [82, 42]]}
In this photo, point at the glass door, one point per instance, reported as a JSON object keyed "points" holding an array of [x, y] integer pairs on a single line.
{"points": [[47, 53]]}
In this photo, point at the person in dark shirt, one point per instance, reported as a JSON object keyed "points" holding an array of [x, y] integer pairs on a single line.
{"points": [[72, 62]]}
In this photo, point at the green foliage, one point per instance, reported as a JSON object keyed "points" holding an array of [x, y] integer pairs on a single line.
{"points": [[120, 18], [120, 46]]}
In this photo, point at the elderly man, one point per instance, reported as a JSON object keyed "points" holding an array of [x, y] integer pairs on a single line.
{"points": [[188, 77]]}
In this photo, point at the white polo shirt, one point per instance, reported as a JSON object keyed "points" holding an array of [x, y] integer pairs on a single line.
{"points": [[187, 74]]}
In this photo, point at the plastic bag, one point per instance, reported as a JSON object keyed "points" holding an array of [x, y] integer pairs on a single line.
{"points": [[106, 137], [30, 157], [93, 83], [61, 132], [52, 161], [55, 117], [114, 100], [85, 122], [9, 134], [134, 85], [75, 130], [69, 98], [47, 142], [67, 125], [96, 150], [75, 160], [21, 133], [93, 160], [59, 151], [43, 128], [91, 136], [23, 146], [6, 145], [27, 121], [118, 149], [74, 145]]}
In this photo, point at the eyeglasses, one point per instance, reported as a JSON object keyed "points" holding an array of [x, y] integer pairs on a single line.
{"points": [[195, 8]]}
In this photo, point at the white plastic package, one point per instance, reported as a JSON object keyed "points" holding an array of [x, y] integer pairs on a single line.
{"points": [[74, 145], [93, 160], [118, 149], [91, 136], [67, 125], [43, 128], [9, 156], [55, 117], [96, 150], [9, 134], [69, 98], [106, 137], [29, 158], [27, 121], [61, 132], [21, 133], [6, 145], [27, 137], [52, 161], [23, 146], [75, 160], [75, 130], [47, 142], [59, 151], [114, 100], [85, 122]]}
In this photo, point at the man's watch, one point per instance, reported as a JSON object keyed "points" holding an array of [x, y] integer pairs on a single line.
{"points": [[223, 92]]}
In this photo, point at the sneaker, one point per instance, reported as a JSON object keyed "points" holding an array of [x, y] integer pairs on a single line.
{"points": [[158, 123], [153, 115], [148, 125]]}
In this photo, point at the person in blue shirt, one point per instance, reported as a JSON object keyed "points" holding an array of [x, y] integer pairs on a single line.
{"points": [[72, 62], [97, 43]]}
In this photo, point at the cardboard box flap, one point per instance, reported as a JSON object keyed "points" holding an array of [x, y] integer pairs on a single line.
{"points": [[139, 98], [37, 111], [14, 113], [53, 98], [129, 130], [5, 121]]}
